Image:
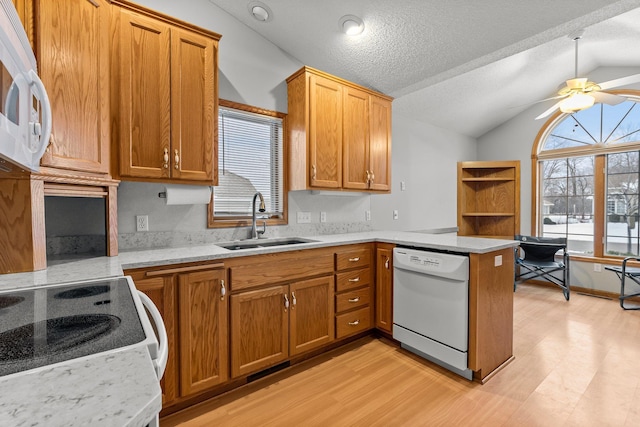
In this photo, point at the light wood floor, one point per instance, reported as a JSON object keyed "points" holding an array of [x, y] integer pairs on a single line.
{"points": [[576, 364]]}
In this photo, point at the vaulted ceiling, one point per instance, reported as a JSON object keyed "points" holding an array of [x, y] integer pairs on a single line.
{"points": [[462, 65]]}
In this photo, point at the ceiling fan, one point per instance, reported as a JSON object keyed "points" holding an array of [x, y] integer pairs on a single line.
{"points": [[579, 93]]}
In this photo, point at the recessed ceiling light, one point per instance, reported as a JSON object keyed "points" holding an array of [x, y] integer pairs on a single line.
{"points": [[351, 25], [260, 11]]}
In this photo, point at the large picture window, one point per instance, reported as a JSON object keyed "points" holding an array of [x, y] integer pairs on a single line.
{"points": [[250, 160], [587, 178]]}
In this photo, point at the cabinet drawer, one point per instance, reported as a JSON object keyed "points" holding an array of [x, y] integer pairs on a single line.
{"points": [[360, 257], [353, 279], [278, 268], [353, 322], [353, 299]]}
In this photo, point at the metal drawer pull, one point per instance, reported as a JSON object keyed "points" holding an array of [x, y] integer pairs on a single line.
{"points": [[357, 279], [386, 263], [286, 302], [176, 159], [293, 300], [356, 259], [354, 323], [223, 290], [356, 299]]}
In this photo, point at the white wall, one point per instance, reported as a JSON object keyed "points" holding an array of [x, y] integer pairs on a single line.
{"points": [[513, 140], [425, 158]]}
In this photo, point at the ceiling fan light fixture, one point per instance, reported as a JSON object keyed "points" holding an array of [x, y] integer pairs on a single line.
{"points": [[577, 102], [351, 25]]}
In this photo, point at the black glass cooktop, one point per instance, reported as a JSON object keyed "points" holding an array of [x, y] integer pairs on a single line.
{"points": [[41, 326]]}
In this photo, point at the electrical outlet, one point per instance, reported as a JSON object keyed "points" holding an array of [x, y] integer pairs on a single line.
{"points": [[367, 215], [304, 217], [403, 186], [497, 260], [597, 268], [323, 217], [142, 223], [395, 214]]}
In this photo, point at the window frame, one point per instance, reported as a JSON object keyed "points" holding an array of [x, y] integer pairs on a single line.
{"points": [[245, 221], [599, 153]]}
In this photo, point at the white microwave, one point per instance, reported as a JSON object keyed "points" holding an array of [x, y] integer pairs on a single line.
{"points": [[25, 111]]}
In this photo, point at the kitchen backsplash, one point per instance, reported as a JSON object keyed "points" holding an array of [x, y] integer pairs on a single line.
{"points": [[183, 225]]}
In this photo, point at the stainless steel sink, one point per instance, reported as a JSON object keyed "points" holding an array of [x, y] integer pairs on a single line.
{"points": [[266, 243]]}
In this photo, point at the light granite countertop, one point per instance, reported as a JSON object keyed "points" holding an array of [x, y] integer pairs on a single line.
{"points": [[120, 388], [66, 270], [117, 389]]}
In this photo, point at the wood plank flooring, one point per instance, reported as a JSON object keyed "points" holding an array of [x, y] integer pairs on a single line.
{"points": [[575, 365]]}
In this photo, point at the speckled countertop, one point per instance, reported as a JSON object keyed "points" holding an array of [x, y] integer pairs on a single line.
{"points": [[65, 270], [120, 388], [117, 389]]}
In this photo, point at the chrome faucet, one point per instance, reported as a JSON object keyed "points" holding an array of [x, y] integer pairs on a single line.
{"points": [[254, 230]]}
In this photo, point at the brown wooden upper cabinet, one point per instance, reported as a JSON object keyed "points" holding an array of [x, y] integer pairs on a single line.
{"points": [[166, 97], [339, 134], [71, 40]]}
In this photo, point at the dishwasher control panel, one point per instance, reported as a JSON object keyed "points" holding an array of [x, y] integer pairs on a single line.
{"points": [[427, 261]]}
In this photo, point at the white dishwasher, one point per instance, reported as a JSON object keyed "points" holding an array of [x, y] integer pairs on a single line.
{"points": [[431, 306]]}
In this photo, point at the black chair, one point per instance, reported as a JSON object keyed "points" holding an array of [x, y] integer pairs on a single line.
{"points": [[623, 273], [539, 261]]}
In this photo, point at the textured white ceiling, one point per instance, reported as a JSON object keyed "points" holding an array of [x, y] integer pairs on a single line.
{"points": [[458, 64]]}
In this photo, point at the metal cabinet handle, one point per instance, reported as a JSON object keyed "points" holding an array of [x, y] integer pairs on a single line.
{"points": [[176, 160], [357, 279], [223, 290], [356, 299], [293, 300], [373, 177], [386, 263], [165, 159], [313, 172], [286, 302], [354, 323], [356, 259]]}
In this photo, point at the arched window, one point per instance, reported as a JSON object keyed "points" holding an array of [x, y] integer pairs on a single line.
{"points": [[587, 177]]}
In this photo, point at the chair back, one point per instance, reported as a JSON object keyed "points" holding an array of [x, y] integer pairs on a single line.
{"points": [[541, 249]]}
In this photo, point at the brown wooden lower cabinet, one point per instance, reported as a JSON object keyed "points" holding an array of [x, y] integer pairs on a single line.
{"points": [[269, 325], [194, 309], [203, 316], [384, 287]]}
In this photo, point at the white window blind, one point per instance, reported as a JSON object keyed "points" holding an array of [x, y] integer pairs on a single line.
{"points": [[249, 160]]}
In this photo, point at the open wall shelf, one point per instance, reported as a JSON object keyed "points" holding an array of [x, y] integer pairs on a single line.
{"points": [[489, 199]]}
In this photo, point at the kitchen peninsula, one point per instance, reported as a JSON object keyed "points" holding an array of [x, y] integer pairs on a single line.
{"points": [[490, 285]]}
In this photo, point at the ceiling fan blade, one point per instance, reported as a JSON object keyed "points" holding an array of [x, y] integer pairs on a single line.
{"points": [[549, 111], [608, 98], [539, 101], [623, 81]]}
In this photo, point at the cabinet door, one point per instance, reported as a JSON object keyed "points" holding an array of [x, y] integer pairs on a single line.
{"points": [[73, 63], [259, 329], [384, 288], [380, 144], [194, 112], [311, 318], [325, 133], [203, 330], [162, 291], [145, 102], [355, 173]]}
